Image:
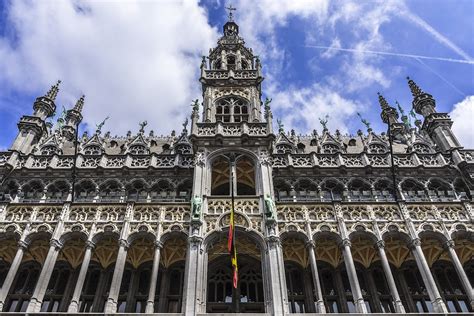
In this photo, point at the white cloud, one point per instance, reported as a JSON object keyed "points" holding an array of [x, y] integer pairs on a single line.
{"points": [[133, 60], [463, 117], [301, 108]]}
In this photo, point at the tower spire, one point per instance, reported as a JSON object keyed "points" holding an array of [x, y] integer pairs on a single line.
{"points": [[383, 102], [53, 92]]}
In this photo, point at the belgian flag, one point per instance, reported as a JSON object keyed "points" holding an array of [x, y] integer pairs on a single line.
{"points": [[231, 237]]}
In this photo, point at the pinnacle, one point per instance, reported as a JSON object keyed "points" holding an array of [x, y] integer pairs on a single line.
{"points": [[415, 90], [79, 104], [382, 101], [53, 92]]}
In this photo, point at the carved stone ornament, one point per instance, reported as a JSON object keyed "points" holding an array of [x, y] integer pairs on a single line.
{"points": [[200, 159]]}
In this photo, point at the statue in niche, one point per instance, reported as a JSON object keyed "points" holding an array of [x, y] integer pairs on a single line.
{"points": [[270, 208], [196, 204]]}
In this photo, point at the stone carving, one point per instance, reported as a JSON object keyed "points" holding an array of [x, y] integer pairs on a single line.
{"points": [[196, 204]]}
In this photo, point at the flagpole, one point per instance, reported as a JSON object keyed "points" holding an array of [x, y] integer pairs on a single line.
{"points": [[76, 142]]}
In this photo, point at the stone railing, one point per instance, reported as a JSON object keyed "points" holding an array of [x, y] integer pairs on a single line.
{"points": [[358, 160], [104, 161], [231, 129], [226, 74]]}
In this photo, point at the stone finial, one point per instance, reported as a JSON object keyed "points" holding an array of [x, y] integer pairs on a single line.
{"points": [[53, 92], [79, 104], [382, 101], [415, 90]]}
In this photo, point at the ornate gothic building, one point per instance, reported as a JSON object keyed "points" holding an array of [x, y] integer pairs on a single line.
{"points": [[325, 223]]}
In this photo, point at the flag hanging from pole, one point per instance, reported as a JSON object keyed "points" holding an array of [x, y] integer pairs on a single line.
{"points": [[231, 237]]}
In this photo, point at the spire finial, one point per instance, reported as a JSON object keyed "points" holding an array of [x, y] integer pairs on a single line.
{"points": [[53, 92], [382, 101], [79, 104], [230, 8], [415, 90]]}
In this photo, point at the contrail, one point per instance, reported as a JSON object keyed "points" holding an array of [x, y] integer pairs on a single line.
{"points": [[441, 77], [461, 61]]}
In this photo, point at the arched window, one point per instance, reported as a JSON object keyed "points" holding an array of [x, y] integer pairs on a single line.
{"points": [[23, 287], [295, 285], [306, 190], [413, 190], [85, 191], [462, 190], [9, 191], [243, 170], [60, 284], [137, 191], [450, 287], [110, 192], [220, 176], [162, 191], [232, 109], [49, 150], [231, 62], [331, 295], [383, 190], [359, 190], [332, 190], [57, 192], [32, 192], [377, 149], [421, 148], [440, 191], [417, 292]]}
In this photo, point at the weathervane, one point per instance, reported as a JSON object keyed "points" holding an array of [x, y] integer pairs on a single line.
{"points": [[231, 8]]}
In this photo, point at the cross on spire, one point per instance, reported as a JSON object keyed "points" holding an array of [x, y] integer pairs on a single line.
{"points": [[230, 8]]}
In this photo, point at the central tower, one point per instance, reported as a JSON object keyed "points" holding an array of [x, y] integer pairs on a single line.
{"points": [[231, 80]]}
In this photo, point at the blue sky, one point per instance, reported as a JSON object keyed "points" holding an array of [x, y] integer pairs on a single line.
{"points": [[137, 60]]}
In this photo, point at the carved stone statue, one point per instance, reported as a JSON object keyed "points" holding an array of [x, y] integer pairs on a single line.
{"points": [[196, 204], [270, 208]]}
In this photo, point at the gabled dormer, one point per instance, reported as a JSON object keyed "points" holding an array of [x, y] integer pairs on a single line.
{"points": [[93, 146]]}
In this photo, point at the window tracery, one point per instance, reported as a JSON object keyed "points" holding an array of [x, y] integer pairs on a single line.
{"points": [[232, 109], [93, 150]]}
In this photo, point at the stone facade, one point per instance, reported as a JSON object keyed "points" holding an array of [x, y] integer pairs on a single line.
{"points": [[325, 223]]}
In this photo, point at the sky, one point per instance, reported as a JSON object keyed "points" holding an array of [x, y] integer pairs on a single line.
{"points": [[139, 60]]}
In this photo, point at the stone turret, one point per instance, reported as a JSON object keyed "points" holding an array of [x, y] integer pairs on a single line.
{"points": [[389, 116], [31, 128], [73, 118], [436, 125]]}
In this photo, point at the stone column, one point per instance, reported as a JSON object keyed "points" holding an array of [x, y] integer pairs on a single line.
{"points": [[74, 305], [277, 276], [150, 304], [352, 275], [7, 283], [191, 276], [111, 304], [449, 245], [389, 277], [317, 284], [37, 298], [428, 280]]}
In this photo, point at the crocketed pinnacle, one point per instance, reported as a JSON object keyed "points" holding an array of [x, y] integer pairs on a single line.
{"points": [[79, 104], [53, 92], [415, 90], [382, 101]]}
